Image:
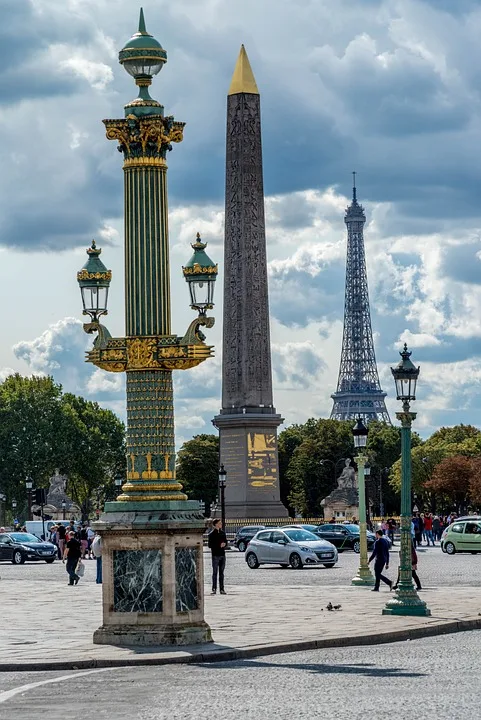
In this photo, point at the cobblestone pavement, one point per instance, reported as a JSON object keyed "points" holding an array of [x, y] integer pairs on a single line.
{"points": [[436, 569], [278, 610], [435, 676]]}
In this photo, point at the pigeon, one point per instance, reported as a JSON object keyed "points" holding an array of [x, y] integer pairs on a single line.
{"points": [[329, 606], [337, 607]]}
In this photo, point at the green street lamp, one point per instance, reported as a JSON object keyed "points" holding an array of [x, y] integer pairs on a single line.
{"points": [[360, 432], [406, 600], [151, 533]]}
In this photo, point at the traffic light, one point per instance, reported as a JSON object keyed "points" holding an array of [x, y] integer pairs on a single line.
{"points": [[40, 496]]}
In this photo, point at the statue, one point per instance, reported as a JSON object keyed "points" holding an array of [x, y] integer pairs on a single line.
{"points": [[347, 479], [56, 491]]}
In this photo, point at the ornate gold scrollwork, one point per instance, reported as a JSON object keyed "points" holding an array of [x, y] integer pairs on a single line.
{"points": [[141, 353]]}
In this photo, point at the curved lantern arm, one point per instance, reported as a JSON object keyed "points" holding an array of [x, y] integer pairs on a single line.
{"points": [[103, 336], [194, 335]]}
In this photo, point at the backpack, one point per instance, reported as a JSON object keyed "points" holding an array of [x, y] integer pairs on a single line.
{"points": [[97, 546]]}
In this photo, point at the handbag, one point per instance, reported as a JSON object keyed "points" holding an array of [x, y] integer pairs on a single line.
{"points": [[80, 569]]}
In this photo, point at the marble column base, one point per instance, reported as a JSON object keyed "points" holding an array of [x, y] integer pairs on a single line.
{"points": [[152, 579], [152, 635]]}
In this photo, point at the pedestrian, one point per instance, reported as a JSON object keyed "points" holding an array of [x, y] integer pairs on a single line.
{"points": [[61, 533], [97, 553], [217, 542], [380, 555], [436, 528], [428, 529], [414, 566], [90, 539], [73, 552], [391, 526], [84, 540]]}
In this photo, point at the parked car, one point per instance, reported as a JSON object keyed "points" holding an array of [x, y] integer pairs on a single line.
{"points": [[345, 537], [289, 546], [245, 535], [20, 546], [463, 535]]}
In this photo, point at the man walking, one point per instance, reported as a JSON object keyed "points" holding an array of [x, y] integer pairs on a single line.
{"points": [[217, 543], [380, 555]]}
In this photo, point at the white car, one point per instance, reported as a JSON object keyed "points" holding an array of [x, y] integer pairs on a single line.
{"points": [[293, 546]]}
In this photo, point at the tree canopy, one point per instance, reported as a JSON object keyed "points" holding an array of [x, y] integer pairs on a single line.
{"points": [[198, 468], [42, 429]]}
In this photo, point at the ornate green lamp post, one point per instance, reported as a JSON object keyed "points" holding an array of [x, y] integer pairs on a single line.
{"points": [[151, 534], [406, 600], [359, 432]]}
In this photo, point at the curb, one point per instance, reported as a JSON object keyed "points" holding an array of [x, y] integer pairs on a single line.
{"points": [[227, 655]]}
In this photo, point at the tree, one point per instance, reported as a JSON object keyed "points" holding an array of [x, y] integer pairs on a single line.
{"points": [[93, 447], [30, 433], [475, 483], [451, 478], [41, 429], [198, 468], [309, 479]]}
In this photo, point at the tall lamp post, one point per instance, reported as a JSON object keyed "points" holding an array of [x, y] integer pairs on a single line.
{"points": [[406, 600], [152, 533], [334, 464], [359, 432], [14, 509], [29, 486], [222, 477]]}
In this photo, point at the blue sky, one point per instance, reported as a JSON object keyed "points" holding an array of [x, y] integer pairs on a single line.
{"points": [[390, 88]]}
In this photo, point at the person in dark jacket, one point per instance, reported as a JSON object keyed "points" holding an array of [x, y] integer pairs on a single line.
{"points": [[380, 555], [414, 563], [217, 542]]}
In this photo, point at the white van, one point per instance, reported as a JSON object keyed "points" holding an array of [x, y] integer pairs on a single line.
{"points": [[36, 527]]}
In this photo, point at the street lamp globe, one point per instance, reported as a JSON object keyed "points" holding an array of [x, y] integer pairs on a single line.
{"points": [[222, 476], [142, 56], [367, 470], [200, 274], [359, 432], [94, 282], [28, 483], [405, 376], [14, 504], [118, 481]]}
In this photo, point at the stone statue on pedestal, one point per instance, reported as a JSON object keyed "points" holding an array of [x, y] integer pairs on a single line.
{"points": [[347, 479]]}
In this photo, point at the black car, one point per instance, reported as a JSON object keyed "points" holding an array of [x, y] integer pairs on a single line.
{"points": [[20, 546], [344, 537], [245, 535]]}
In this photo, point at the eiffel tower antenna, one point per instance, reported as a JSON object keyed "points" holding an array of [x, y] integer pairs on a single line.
{"points": [[358, 391]]}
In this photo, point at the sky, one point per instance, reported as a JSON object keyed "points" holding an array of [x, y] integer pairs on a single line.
{"points": [[389, 88]]}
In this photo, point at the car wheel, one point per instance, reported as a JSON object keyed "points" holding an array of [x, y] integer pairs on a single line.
{"points": [[450, 548], [295, 561], [329, 564], [357, 546], [18, 558], [242, 546], [283, 565], [50, 561], [252, 561]]}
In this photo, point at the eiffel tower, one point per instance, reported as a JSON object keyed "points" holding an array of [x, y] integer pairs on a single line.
{"points": [[358, 391]]}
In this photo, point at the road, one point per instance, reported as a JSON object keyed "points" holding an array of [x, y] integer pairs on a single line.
{"points": [[438, 677], [435, 569]]}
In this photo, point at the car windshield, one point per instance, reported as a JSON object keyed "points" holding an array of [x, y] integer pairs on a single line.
{"points": [[24, 537], [300, 535]]}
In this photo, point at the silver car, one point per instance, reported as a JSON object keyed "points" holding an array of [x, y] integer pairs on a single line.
{"points": [[293, 546]]}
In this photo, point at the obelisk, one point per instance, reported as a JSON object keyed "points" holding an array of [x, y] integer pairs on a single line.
{"points": [[248, 420]]}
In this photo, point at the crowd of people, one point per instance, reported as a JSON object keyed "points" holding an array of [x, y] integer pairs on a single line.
{"points": [[425, 527]]}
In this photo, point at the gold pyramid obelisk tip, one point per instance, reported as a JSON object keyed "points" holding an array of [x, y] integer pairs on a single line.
{"points": [[243, 80]]}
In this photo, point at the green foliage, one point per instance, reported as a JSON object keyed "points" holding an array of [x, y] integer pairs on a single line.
{"points": [[41, 429], [309, 480], [198, 468]]}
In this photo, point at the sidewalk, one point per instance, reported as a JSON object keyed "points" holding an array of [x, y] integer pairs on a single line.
{"points": [[54, 630]]}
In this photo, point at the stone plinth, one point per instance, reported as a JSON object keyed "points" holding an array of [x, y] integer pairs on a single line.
{"points": [[342, 502], [248, 451], [152, 579]]}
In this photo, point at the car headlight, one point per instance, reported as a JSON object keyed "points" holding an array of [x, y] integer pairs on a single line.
{"points": [[307, 550]]}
